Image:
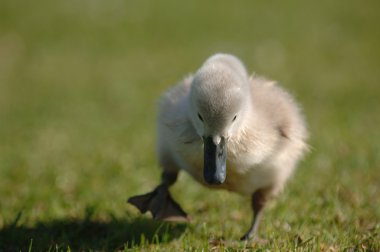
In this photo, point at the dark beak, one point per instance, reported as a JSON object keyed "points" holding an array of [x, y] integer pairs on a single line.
{"points": [[214, 170]]}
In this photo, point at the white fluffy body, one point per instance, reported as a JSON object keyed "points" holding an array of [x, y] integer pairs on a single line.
{"points": [[265, 142]]}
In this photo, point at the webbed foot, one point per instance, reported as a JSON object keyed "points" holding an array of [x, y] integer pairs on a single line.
{"points": [[160, 204]]}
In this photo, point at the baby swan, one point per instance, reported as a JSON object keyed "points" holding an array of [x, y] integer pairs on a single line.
{"points": [[227, 130]]}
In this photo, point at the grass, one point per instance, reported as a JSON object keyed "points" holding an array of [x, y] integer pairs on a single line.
{"points": [[79, 83]]}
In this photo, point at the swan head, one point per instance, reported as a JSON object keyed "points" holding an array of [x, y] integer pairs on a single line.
{"points": [[219, 99]]}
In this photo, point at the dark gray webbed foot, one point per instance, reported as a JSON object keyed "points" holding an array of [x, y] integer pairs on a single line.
{"points": [[160, 203]]}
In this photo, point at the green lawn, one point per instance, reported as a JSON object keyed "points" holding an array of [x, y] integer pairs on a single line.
{"points": [[79, 83]]}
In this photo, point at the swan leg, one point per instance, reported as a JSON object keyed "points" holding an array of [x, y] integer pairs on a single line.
{"points": [[159, 202], [259, 199]]}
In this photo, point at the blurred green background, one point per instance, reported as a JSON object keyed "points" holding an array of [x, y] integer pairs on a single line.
{"points": [[79, 85]]}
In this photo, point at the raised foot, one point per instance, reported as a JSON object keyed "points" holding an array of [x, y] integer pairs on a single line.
{"points": [[160, 204]]}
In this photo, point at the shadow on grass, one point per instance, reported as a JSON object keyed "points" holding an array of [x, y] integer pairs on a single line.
{"points": [[79, 235]]}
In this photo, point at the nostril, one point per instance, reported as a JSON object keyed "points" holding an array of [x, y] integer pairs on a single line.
{"points": [[220, 154]]}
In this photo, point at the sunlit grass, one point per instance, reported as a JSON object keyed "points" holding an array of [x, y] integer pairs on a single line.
{"points": [[79, 84]]}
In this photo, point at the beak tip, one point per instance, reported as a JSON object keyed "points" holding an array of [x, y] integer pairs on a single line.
{"points": [[215, 179]]}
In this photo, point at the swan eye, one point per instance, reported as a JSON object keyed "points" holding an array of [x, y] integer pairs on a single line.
{"points": [[234, 118], [200, 117]]}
